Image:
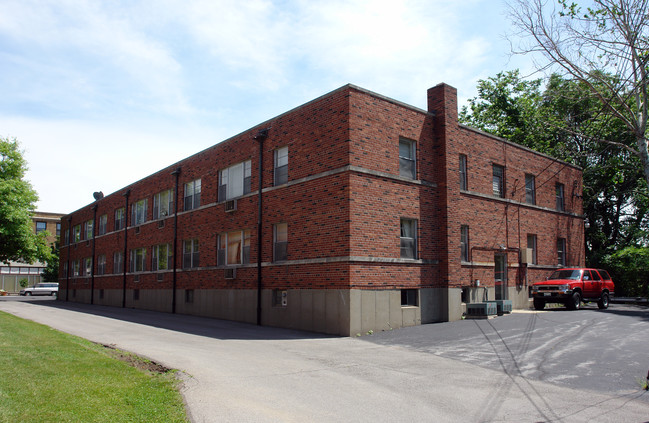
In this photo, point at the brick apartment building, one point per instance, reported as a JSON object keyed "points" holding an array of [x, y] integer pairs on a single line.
{"points": [[365, 214]]}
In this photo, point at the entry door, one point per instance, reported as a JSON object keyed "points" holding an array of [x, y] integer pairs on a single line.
{"points": [[500, 275]]}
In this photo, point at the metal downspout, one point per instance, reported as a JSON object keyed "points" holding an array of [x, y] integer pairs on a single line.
{"points": [[126, 195], [260, 137], [176, 173]]}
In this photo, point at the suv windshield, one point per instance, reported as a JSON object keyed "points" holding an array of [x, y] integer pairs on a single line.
{"points": [[565, 274]]}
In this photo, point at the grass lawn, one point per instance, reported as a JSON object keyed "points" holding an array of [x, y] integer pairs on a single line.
{"points": [[50, 376]]}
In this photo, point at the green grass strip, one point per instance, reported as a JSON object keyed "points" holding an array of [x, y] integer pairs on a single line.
{"points": [[50, 376]]}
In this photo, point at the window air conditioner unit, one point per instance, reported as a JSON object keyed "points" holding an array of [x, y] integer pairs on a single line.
{"points": [[526, 255], [230, 273], [230, 206]]}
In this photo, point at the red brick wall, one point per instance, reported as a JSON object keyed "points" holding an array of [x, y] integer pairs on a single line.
{"points": [[353, 213]]}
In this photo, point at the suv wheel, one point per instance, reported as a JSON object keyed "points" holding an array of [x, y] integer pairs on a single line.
{"points": [[574, 302], [603, 301], [539, 304]]}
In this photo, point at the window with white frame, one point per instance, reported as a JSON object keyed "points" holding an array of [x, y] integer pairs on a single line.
{"points": [[76, 233], [235, 181], [58, 229], [190, 253], [139, 209], [88, 227], [162, 257], [138, 260], [464, 243], [281, 166], [120, 219], [101, 264], [561, 251], [76, 267], [531, 245], [464, 177], [280, 242], [530, 189], [498, 181], [118, 262], [561, 204], [163, 204], [102, 228], [407, 158], [233, 248], [87, 266], [408, 238], [192, 197]]}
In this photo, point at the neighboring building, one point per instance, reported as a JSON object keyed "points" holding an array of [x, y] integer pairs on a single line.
{"points": [[13, 272], [373, 214], [50, 222]]}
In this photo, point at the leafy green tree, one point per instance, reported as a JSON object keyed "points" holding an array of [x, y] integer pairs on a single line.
{"points": [[587, 44], [629, 268], [51, 272], [17, 199]]}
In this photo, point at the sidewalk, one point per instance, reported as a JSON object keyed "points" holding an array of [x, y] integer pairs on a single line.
{"points": [[243, 373]]}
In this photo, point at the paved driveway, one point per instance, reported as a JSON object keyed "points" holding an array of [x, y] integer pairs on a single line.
{"points": [[242, 373]]}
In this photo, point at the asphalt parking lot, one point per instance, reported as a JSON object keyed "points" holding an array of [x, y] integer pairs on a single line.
{"points": [[602, 350], [510, 369]]}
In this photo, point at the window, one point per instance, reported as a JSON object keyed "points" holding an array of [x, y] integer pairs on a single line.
{"points": [[162, 257], [41, 226], [101, 264], [163, 204], [530, 189], [120, 219], [531, 245], [409, 298], [281, 166], [76, 268], [192, 197], [87, 266], [407, 159], [138, 260], [498, 181], [189, 296], [408, 238], [66, 238], [561, 251], [88, 227], [234, 248], [280, 298], [139, 210], [560, 197], [464, 242], [103, 224], [76, 233], [118, 262], [235, 181], [58, 229], [280, 242], [464, 181], [65, 270], [190, 253]]}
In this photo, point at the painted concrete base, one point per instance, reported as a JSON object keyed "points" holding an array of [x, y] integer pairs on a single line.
{"points": [[334, 311]]}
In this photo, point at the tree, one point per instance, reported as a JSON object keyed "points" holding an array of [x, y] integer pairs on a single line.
{"points": [[18, 242], [587, 45], [51, 272], [564, 121]]}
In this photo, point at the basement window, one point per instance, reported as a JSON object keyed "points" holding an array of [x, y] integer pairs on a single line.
{"points": [[409, 298]]}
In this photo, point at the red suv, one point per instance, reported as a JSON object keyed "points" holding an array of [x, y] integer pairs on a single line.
{"points": [[572, 286]]}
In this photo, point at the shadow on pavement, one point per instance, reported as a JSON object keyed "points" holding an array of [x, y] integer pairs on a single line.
{"points": [[194, 325]]}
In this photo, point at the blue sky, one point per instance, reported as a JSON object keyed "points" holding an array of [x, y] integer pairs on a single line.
{"points": [[103, 93]]}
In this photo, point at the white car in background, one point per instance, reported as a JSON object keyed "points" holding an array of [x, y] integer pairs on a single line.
{"points": [[44, 288]]}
